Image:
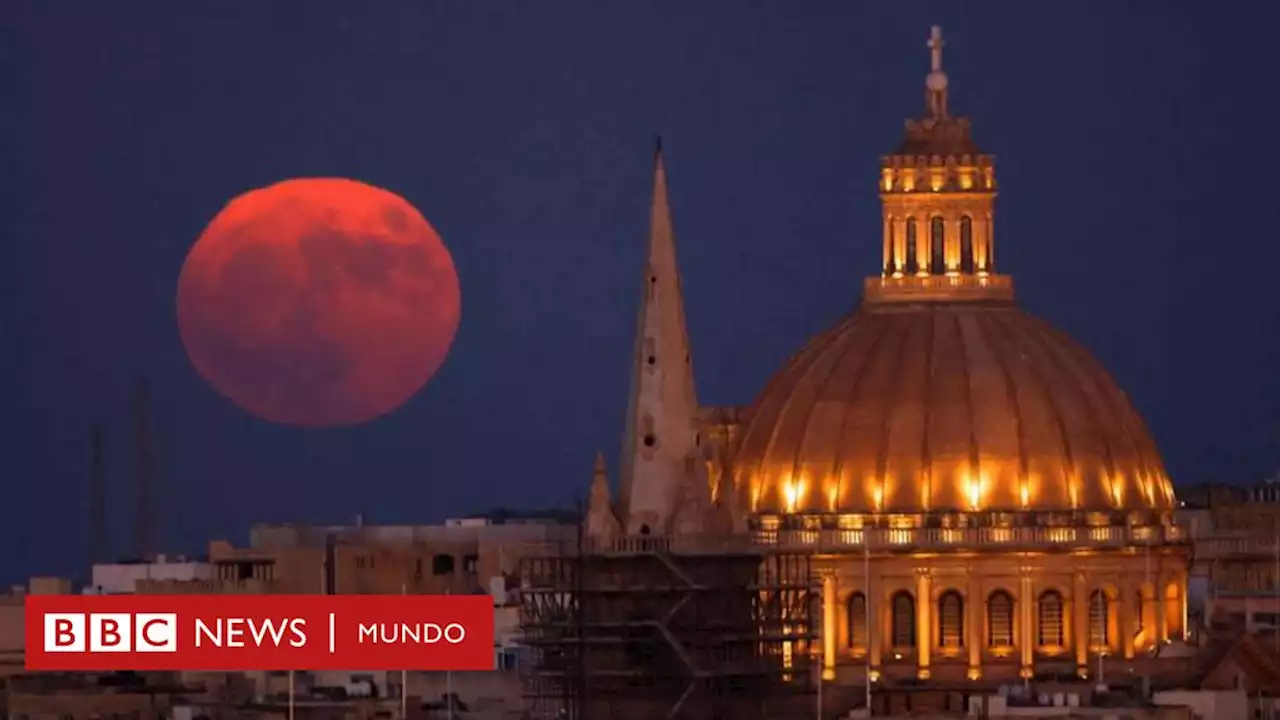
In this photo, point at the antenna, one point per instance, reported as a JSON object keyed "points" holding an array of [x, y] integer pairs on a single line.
{"points": [[146, 467], [97, 496]]}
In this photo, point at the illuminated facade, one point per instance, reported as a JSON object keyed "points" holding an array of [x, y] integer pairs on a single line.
{"points": [[979, 497]]}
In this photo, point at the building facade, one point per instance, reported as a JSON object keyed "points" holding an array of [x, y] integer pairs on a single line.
{"points": [[979, 498]]}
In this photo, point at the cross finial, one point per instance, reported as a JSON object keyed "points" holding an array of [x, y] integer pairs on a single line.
{"points": [[935, 47]]}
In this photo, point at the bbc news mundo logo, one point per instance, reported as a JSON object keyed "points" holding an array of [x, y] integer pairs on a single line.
{"points": [[265, 632]]}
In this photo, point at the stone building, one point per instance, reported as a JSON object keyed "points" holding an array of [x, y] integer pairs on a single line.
{"points": [[978, 497]]}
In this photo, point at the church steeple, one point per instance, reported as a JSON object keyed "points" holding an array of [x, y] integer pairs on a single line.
{"points": [[938, 196], [601, 522], [661, 431]]}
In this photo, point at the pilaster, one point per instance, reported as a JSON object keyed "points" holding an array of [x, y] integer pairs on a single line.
{"points": [[1080, 624], [924, 621], [975, 627], [829, 606], [1026, 605]]}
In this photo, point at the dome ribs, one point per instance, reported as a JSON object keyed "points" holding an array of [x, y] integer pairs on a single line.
{"points": [[802, 440], [1145, 455], [774, 405], [948, 432], [853, 377], [996, 423], [1042, 436], [1092, 430], [943, 407], [1058, 404], [871, 410]]}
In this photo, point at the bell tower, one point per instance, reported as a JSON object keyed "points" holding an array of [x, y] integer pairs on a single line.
{"points": [[938, 195]]}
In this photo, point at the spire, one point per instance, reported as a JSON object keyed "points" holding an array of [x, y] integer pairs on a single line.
{"points": [[602, 523], [936, 82], [660, 414]]}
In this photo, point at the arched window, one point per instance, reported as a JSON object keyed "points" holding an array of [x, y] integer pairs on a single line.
{"points": [[1098, 616], [1000, 619], [937, 247], [1050, 619], [856, 609], [966, 245], [913, 264], [903, 631], [950, 620]]}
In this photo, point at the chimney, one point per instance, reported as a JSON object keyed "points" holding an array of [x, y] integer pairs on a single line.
{"points": [[146, 468], [97, 496]]}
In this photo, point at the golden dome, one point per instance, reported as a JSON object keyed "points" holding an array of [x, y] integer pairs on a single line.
{"points": [[935, 406]]}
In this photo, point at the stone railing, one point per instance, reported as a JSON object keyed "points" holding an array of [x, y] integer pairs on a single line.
{"points": [[881, 540], [937, 287]]}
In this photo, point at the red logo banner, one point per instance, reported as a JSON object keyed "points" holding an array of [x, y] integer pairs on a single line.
{"points": [[259, 632]]}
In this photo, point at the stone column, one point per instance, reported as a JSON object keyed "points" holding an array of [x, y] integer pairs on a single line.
{"points": [[1128, 624], [952, 246], [924, 621], [875, 609], [1080, 615], [974, 637], [888, 245], [1161, 603], [829, 625], [1026, 624]]}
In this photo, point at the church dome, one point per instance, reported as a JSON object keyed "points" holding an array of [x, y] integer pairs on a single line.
{"points": [[936, 406]]}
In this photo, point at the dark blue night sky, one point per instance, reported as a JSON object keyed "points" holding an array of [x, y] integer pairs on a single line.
{"points": [[1133, 145]]}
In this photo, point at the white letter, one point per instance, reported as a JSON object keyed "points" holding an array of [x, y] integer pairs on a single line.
{"points": [[431, 633], [215, 636], [235, 632], [110, 632], [64, 632], [156, 632], [298, 627], [369, 630], [454, 633]]}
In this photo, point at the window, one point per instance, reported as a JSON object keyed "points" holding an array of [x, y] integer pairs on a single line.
{"points": [[966, 245], [950, 620], [904, 620], [937, 244], [442, 565], [913, 264], [1000, 619], [856, 609], [1050, 620], [1098, 616], [471, 564]]}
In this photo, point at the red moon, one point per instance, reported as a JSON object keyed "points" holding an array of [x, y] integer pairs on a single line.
{"points": [[318, 302]]}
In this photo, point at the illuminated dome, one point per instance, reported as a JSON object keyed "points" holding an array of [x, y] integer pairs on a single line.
{"points": [[946, 406], [939, 394]]}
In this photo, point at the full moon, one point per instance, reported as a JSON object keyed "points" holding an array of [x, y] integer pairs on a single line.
{"points": [[318, 302]]}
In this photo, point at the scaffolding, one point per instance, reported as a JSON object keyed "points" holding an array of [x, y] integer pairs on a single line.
{"points": [[639, 629]]}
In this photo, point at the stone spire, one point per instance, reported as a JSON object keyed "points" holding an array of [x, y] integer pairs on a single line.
{"points": [[602, 523], [661, 431]]}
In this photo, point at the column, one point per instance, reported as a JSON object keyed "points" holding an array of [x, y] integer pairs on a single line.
{"points": [[829, 625], [974, 637], [1128, 623], [875, 609], [980, 264], [900, 243], [1162, 603], [1026, 641], [1184, 587], [888, 244], [924, 621], [1080, 623], [952, 246]]}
